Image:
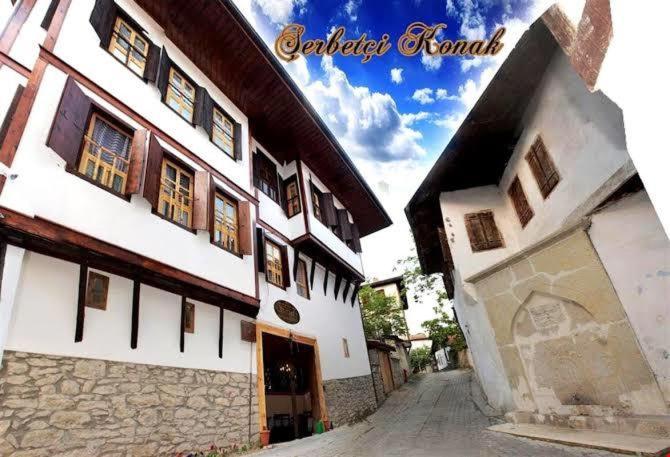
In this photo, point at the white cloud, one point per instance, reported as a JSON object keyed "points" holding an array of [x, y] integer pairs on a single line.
{"points": [[423, 96], [281, 12], [430, 63], [411, 118], [449, 121], [467, 64], [396, 75], [442, 94], [351, 8]]}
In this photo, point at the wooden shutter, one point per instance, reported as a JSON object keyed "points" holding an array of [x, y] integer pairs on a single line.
{"points": [[345, 225], [543, 167], [237, 136], [328, 210], [212, 199], [281, 191], [520, 202], [207, 114], [356, 238], [152, 172], [199, 109], [285, 272], [444, 246], [4, 128], [163, 72], [102, 20], [256, 168], [260, 249], [244, 227], [48, 17], [69, 126], [138, 156], [201, 190], [152, 63], [482, 231]]}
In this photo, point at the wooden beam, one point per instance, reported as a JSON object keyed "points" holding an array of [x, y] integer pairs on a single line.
{"points": [[296, 257], [346, 291], [355, 293], [14, 24], [325, 282], [312, 274], [220, 332], [182, 326], [135, 315], [81, 303], [338, 282]]}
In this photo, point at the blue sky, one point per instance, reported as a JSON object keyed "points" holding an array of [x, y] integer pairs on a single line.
{"points": [[393, 115]]}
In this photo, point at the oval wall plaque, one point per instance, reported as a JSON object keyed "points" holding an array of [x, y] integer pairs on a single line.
{"points": [[287, 312]]}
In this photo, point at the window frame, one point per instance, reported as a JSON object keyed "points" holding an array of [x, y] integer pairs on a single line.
{"points": [[134, 32], [345, 348], [234, 202], [302, 266], [180, 166], [264, 161], [316, 202], [537, 166], [169, 87], [491, 244], [524, 216], [226, 117], [272, 244], [292, 180]]}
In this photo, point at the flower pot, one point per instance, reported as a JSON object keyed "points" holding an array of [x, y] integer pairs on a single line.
{"points": [[326, 425], [265, 437]]}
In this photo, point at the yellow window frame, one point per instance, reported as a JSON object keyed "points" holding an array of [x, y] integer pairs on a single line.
{"points": [[180, 95], [226, 228], [223, 132], [129, 55], [292, 199], [95, 160], [316, 204], [273, 264], [175, 201], [301, 279]]}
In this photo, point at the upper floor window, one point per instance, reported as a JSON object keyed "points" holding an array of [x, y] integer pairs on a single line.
{"points": [[175, 200], [292, 197], [482, 231], [223, 133], [273, 264], [520, 202], [129, 46], [543, 167], [301, 279], [316, 203], [226, 223], [265, 176], [180, 95], [105, 154]]}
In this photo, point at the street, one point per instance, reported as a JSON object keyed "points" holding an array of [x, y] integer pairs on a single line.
{"points": [[432, 415]]}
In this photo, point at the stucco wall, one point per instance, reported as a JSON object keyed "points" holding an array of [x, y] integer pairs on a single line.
{"points": [[635, 251]]}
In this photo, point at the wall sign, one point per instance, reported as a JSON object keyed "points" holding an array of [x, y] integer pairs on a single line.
{"points": [[287, 312]]}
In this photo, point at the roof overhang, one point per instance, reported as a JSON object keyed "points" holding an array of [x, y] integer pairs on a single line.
{"points": [[481, 147], [374, 344], [224, 46], [315, 249]]}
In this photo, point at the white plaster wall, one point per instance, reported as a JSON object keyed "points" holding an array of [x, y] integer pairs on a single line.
{"points": [[26, 47], [45, 311], [416, 344], [635, 251], [6, 9], [11, 273], [79, 46], [390, 290], [44, 188], [324, 318]]}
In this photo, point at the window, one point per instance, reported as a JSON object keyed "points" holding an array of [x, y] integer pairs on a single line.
{"points": [[223, 133], [180, 95], [520, 202], [97, 287], [316, 203], [265, 173], [273, 264], [543, 167], [345, 347], [292, 198], [175, 200], [129, 47], [482, 231], [105, 154], [301, 279], [226, 224]]}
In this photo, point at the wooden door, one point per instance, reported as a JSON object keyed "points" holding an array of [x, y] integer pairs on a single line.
{"points": [[387, 376]]}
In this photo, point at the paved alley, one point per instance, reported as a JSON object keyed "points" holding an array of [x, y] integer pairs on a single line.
{"points": [[433, 415]]}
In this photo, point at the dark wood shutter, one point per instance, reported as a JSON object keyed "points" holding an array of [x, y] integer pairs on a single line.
{"points": [[256, 168], [69, 126], [482, 231], [237, 136], [199, 109], [48, 17], [345, 225], [138, 157], [201, 202], [152, 173], [244, 227], [163, 73], [4, 128], [356, 238], [102, 20], [212, 199], [285, 271], [328, 210], [444, 246], [152, 63], [260, 249], [281, 191], [207, 116], [543, 167], [520, 202]]}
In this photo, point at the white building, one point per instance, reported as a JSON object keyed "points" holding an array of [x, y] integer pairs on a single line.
{"points": [[180, 235], [549, 244]]}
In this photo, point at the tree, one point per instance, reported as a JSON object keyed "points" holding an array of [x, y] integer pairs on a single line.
{"points": [[419, 358], [382, 315]]}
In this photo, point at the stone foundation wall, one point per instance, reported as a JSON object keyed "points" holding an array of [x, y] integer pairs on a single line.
{"points": [[349, 399], [58, 406], [377, 375]]}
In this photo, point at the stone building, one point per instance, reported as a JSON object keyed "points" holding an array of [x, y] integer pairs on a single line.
{"points": [[179, 236], [547, 238]]}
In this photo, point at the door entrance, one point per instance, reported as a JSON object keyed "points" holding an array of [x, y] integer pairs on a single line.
{"points": [[290, 392]]}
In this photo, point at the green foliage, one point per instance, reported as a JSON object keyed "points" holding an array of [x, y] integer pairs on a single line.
{"points": [[382, 315], [419, 358]]}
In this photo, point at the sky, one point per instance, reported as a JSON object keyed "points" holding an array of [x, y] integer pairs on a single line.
{"points": [[395, 114]]}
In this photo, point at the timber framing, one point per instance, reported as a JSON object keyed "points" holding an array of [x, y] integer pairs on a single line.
{"points": [[45, 237]]}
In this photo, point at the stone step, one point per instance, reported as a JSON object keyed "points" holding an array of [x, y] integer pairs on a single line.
{"points": [[614, 442], [649, 426]]}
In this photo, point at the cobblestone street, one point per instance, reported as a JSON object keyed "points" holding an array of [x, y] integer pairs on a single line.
{"points": [[433, 415]]}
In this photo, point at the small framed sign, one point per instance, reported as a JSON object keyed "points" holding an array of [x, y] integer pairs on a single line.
{"points": [[287, 312]]}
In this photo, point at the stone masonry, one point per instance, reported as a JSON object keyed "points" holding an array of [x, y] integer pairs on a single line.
{"points": [[377, 375], [62, 406], [349, 400]]}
